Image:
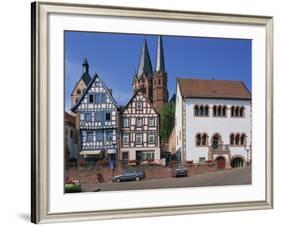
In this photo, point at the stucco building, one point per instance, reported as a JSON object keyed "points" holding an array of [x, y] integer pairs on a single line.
{"points": [[213, 122]]}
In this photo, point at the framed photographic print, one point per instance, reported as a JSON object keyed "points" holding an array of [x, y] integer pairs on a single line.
{"points": [[146, 112]]}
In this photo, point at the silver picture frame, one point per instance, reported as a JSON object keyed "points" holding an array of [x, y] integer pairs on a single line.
{"points": [[40, 103]]}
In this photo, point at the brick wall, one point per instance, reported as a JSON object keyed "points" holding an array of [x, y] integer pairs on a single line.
{"points": [[104, 175]]}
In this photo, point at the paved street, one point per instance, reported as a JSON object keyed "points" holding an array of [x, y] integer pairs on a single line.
{"points": [[237, 176]]}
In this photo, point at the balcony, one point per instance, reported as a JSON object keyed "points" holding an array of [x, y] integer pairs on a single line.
{"points": [[219, 149]]}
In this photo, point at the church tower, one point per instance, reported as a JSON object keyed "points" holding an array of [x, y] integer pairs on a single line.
{"points": [[142, 80], [160, 93], [81, 85]]}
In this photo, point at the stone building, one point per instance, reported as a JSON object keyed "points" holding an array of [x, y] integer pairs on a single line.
{"points": [[213, 122], [152, 83]]}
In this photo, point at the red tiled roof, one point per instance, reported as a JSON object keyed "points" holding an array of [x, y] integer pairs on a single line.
{"points": [[197, 88]]}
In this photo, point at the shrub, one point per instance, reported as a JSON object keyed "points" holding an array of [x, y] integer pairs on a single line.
{"points": [[72, 188]]}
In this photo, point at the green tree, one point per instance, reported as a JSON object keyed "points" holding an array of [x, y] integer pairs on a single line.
{"points": [[167, 121]]}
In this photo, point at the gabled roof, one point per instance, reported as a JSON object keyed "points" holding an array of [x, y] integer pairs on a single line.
{"points": [[147, 100], [225, 89], [87, 89], [145, 66], [160, 62]]}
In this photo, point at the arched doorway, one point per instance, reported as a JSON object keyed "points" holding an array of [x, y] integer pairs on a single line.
{"points": [[237, 162], [220, 163], [216, 141]]}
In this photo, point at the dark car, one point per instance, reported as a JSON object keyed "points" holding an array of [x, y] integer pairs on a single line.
{"points": [[180, 171], [129, 175]]}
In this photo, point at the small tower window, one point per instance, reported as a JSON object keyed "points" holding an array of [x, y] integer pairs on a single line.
{"points": [[159, 81]]}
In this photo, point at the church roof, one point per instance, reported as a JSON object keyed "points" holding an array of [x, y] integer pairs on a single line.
{"points": [[85, 76], [145, 66], [160, 62], [225, 89]]}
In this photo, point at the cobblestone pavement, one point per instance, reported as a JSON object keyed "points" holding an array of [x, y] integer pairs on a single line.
{"points": [[236, 176]]}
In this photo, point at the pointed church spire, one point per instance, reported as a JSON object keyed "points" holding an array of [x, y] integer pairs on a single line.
{"points": [[85, 66], [160, 63], [145, 66]]}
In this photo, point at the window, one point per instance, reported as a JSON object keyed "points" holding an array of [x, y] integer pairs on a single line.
{"points": [[125, 122], [71, 133], [125, 155], [198, 139], [139, 139], [90, 136], [202, 159], [125, 138], [215, 110], [204, 140], [224, 111], [139, 105], [242, 139], [147, 156], [241, 112], [78, 91], [88, 117], [201, 139], [151, 122], [98, 116], [201, 110], [82, 116], [232, 139], [109, 135], [206, 110], [237, 139], [108, 116], [196, 110], [232, 111], [151, 138], [139, 122], [103, 98], [237, 111], [97, 84], [91, 98], [99, 135], [97, 98], [159, 81], [219, 111]]}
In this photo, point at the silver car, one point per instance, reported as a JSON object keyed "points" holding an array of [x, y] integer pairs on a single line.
{"points": [[129, 175]]}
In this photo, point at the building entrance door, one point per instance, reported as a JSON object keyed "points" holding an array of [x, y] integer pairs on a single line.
{"points": [[220, 163]]}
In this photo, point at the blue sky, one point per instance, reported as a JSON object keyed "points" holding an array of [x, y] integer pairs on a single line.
{"points": [[115, 57]]}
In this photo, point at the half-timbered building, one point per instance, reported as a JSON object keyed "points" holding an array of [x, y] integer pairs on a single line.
{"points": [[139, 130], [97, 113]]}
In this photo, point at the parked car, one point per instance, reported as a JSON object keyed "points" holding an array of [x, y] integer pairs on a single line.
{"points": [[180, 171], [129, 175]]}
